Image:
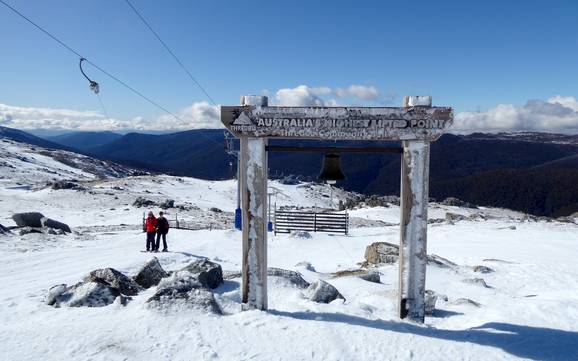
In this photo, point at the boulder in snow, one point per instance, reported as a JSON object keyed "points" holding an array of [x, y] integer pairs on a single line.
{"points": [[476, 281], [143, 202], [466, 301], [150, 274], [28, 219], [307, 265], [169, 203], [482, 269], [209, 274], [371, 277], [430, 301], [84, 294], [27, 230], [451, 201], [293, 277], [215, 209], [454, 217], [183, 290], [4, 230], [114, 279], [322, 292], [51, 223], [301, 234], [382, 252]]}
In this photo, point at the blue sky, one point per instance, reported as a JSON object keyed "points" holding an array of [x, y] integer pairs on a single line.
{"points": [[473, 55]]}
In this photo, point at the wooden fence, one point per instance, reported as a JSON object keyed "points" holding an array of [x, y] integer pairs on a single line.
{"points": [[330, 222]]}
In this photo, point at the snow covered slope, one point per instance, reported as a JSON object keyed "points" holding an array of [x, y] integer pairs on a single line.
{"points": [[22, 165], [529, 309]]}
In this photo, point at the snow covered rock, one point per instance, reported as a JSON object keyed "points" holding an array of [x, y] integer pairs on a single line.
{"points": [[208, 274], [63, 184], [27, 230], [84, 294], [28, 219], [4, 230], [169, 203], [466, 301], [114, 279], [482, 269], [451, 201], [301, 235], [307, 265], [143, 202], [476, 281], [54, 292], [51, 223], [150, 274], [183, 290], [371, 277], [440, 261], [293, 277], [382, 252], [322, 292], [454, 217], [431, 298]]}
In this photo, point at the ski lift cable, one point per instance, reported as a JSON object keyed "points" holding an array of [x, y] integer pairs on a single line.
{"points": [[227, 134], [115, 78], [146, 23]]}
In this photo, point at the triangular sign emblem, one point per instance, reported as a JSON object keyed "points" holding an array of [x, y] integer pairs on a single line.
{"points": [[242, 119]]}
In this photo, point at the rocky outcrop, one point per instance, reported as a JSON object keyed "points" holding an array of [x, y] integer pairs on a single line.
{"points": [[166, 204], [143, 202], [150, 274], [307, 265], [4, 230], [64, 184], [115, 279], [208, 274], [293, 277], [36, 222], [454, 217], [322, 292]]}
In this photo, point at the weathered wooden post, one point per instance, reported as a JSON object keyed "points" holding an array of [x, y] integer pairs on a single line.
{"points": [[253, 172], [414, 196]]}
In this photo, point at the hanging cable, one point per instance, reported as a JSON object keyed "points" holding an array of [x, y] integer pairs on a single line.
{"points": [[170, 52], [64, 45], [115, 78]]}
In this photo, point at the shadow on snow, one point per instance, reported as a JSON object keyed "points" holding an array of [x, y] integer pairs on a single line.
{"points": [[535, 343]]}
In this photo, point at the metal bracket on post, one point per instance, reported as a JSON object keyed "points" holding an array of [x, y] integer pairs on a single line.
{"points": [[253, 183], [413, 226]]}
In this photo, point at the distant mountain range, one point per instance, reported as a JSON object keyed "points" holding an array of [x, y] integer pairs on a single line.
{"points": [[532, 172]]}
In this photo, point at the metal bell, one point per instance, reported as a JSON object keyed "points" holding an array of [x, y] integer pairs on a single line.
{"points": [[331, 171]]}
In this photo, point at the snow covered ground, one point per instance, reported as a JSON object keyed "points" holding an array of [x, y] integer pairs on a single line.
{"points": [[528, 311]]}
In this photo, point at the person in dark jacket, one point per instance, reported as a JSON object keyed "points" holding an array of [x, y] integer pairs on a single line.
{"points": [[162, 230], [150, 228]]}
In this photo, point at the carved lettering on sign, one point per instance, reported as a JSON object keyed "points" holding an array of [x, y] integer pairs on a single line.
{"points": [[425, 123]]}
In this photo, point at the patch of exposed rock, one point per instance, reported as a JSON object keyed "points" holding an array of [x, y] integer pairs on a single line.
{"points": [[150, 274], [114, 279], [482, 269], [208, 274]]}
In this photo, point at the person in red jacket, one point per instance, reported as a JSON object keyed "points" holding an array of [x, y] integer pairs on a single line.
{"points": [[150, 228]]}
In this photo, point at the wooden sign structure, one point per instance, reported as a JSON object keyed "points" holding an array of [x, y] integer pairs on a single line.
{"points": [[416, 124]]}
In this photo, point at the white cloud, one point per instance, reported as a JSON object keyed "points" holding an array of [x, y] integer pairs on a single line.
{"points": [[557, 114], [302, 96], [358, 91], [198, 115]]}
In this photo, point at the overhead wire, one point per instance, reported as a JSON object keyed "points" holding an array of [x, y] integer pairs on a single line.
{"points": [[228, 142], [110, 75], [146, 23]]}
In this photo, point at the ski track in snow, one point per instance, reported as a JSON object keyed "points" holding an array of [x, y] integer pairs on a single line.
{"points": [[529, 311]]}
